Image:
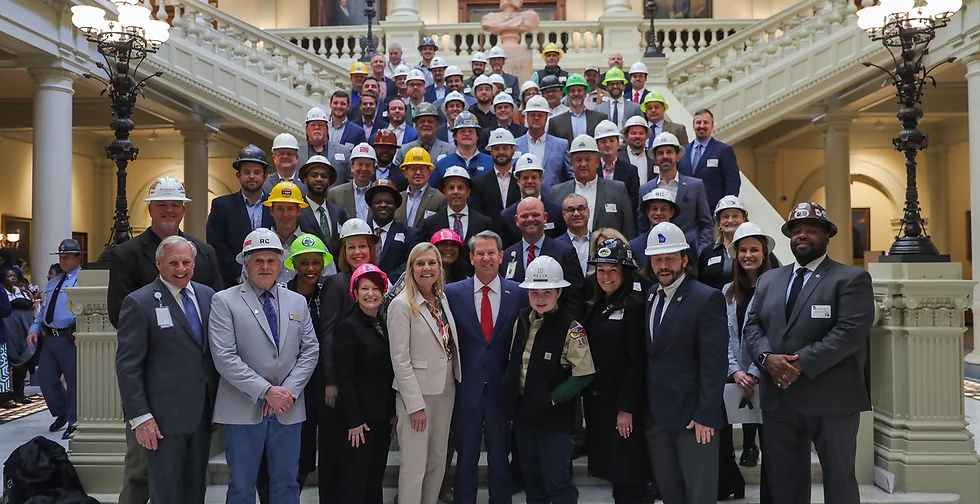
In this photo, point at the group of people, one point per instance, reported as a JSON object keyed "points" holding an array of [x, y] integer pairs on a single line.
{"points": [[587, 282]]}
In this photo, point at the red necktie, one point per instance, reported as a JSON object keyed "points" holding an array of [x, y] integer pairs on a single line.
{"points": [[636, 97], [486, 314], [530, 254]]}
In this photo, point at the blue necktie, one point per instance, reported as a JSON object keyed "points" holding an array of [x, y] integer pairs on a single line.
{"points": [[190, 311], [697, 157], [270, 315], [658, 312]]}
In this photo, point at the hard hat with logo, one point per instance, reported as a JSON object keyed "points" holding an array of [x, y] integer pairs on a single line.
{"points": [[357, 227], [730, 201], [501, 136], [400, 71], [452, 70], [666, 138], [654, 96], [383, 185], [636, 121], [451, 97], [659, 194], [614, 74], [496, 79], [577, 80], [417, 156], [614, 251], [253, 154], [639, 67], [318, 160], [478, 57], [497, 52], [166, 189], [425, 109], [386, 137], [584, 143], [438, 62], [747, 229], [808, 211], [527, 162], [370, 271], [446, 235], [549, 82], [286, 192], [480, 81], [358, 68], [427, 41], [363, 150], [551, 47], [284, 141], [456, 171], [606, 129], [528, 85], [307, 244], [544, 272], [316, 114], [666, 238], [503, 98], [466, 119], [537, 103], [415, 75], [258, 240]]}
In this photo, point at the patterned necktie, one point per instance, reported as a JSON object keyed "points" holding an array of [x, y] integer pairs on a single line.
{"points": [[324, 224], [378, 247], [192, 317], [794, 291], [697, 157], [270, 316], [486, 314], [458, 224], [530, 253], [608, 171], [658, 312]]}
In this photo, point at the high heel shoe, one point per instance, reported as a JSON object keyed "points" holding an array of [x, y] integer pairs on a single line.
{"points": [[750, 457], [737, 494]]}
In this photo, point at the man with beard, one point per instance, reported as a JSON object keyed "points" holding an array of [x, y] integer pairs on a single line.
{"points": [[466, 131], [285, 155], [550, 150], [438, 89], [612, 165], [657, 206], [616, 107], [595, 97], [401, 84], [454, 82], [498, 189], [608, 201], [426, 123], [421, 199], [551, 54], [394, 59], [686, 367], [478, 63], [233, 216], [483, 109], [322, 218], [452, 106], [367, 117], [385, 145], [654, 106], [503, 110], [458, 216], [396, 240], [578, 120], [711, 161], [397, 124], [339, 127], [814, 388], [634, 149], [351, 196], [416, 93], [318, 141], [529, 173], [694, 217]]}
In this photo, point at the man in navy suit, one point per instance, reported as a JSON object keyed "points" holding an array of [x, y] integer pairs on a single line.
{"points": [[687, 363], [636, 89], [339, 129], [367, 116], [233, 216], [486, 309], [550, 150], [531, 218], [689, 195], [396, 239], [710, 160], [385, 146], [529, 174]]}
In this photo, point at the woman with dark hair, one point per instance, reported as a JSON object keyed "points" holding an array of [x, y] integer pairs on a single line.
{"points": [[22, 357], [614, 400], [5, 312]]}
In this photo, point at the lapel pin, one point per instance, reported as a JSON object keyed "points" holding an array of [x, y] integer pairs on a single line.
{"points": [[818, 275], [680, 298]]}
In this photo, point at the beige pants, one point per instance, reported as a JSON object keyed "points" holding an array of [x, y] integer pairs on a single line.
{"points": [[424, 453]]}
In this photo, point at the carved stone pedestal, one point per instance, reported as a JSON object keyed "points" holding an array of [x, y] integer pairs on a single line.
{"points": [[917, 379]]}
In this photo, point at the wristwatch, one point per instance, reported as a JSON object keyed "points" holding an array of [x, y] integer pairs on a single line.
{"points": [[762, 358]]}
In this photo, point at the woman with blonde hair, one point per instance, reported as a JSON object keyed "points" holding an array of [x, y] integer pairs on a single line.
{"points": [[425, 359]]}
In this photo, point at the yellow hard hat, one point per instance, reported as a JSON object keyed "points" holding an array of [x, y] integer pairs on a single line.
{"points": [[551, 47], [417, 156], [286, 192], [358, 68]]}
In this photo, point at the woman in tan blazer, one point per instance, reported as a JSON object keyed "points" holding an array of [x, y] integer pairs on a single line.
{"points": [[425, 358]]}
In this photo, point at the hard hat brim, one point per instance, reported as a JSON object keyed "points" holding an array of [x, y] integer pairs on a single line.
{"points": [[270, 201], [369, 194], [665, 249], [240, 258], [733, 248], [183, 199], [611, 260], [532, 285], [831, 227], [645, 205], [327, 258]]}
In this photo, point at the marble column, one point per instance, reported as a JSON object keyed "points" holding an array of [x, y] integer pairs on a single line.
{"points": [[972, 63], [620, 27], [51, 202], [837, 181], [403, 26], [403, 10], [104, 201], [938, 174], [196, 176]]}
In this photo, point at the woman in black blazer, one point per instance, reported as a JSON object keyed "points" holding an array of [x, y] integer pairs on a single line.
{"points": [[366, 401]]}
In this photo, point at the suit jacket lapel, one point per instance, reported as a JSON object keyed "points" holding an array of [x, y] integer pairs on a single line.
{"points": [[779, 289], [239, 213], [205, 306], [349, 200], [423, 204], [815, 278], [675, 304], [253, 303], [283, 317], [433, 326], [149, 250], [176, 311]]}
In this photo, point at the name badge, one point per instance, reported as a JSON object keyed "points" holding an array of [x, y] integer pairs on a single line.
{"points": [[637, 287], [548, 226], [163, 317], [820, 311], [712, 163], [467, 90], [616, 315], [295, 316], [508, 90], [426, 215], [714, 260], [563, 78], [511, 269], [611, 208], [547, 356], [440, 157], [338, 157], [400, 237], [384, 114]]}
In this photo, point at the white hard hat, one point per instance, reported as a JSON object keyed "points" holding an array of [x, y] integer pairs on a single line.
{"points": [[497, 52], [286, 141], [503, 98], [537, 103], [544, 272], [501, 136], [453, 96], [415, 75], [481, 80], [452, 70], [727, 202], [745, 230], [666, 238], [583, 143], [528, 85], [438, 62], [527, 161], [667, 139], [400, 71], [166, 189], [260, 239], [497, 79], [605, 129], [659, 194], [478, 57], [635, 121], [639, 67], [355, 227], [363, 150], [456, 171], [315, 114]]}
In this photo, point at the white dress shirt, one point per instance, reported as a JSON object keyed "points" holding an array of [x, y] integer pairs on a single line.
{"points": [[670, 185], [588, 191], [640, 162], [399, 131], [581, 244], [464, 218], [384, 232], [494, 296], [503, 183], [808, 274], [537, 146], [669, 294]]}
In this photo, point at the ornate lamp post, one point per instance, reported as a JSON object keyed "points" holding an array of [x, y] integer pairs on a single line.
{"points": [[653, 51], [368, 45], [907, 28], [124, 44]]}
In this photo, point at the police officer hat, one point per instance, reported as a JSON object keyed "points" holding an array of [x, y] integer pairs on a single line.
{"points": [[69, 246]]}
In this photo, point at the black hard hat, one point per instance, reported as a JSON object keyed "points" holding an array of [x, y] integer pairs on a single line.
{"points": [[613, 251], [251, 154], [548, 82], [808, 211]]}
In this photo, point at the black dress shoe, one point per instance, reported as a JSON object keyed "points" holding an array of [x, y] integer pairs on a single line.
{"points": [[68, 432], [738, 494], [750, 457], [58, 424], [23, 400], [9, 405]]}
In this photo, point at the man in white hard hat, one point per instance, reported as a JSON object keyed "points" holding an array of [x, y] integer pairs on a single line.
{"points": [[454, 82], [636, 90], [503, 110], [498, 84], [634, 149], [265, 349], [478, 64], [394, 59], [549, 150], [657, 206], [483, 109], [415, 82], [609, 202], [458, 215], [452, 106], [400, 78], [686, 335], [498, 189], [529, 174], [350, 195], [285, 158], [612, 166], [318, 142], [438, 89], [498, 58]]}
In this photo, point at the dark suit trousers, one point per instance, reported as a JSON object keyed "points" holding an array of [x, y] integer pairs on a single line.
{"points": [[178, 468], [685, 470], [484, 423], [136, 487], [362, 469], [787, 438]]}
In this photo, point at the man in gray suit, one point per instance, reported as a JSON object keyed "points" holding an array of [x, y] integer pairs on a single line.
{"points": [[318, 141], [265, 349], [616, 106], [807, 329], [167, 379], [609, 203], [569, 125], [427, 129]]}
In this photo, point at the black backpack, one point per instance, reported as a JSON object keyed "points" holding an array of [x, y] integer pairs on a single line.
{"points": [[39, 472]]}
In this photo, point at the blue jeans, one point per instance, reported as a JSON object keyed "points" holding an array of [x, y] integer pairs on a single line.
{"points": [[243, 448], [546, 460]]}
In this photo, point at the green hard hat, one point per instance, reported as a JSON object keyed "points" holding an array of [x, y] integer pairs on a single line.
{"points": [[614, 75], [305, 244], [577, 80], [654, 96]]}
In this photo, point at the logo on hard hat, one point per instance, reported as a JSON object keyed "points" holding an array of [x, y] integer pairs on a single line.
{"points": [[801, 214], [581, 144], [540, 273], [604, 252], [154, 185], [820, 213], [363, 150], [661, 238], [264, 241], [308, 241], [248, 242], [287, 192]]}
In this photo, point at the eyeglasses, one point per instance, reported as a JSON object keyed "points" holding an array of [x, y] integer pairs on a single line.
{"points": [[579, 209]]}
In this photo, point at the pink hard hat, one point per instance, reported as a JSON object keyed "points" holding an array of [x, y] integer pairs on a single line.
{"points": [[446, 234], [380, 278]]}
